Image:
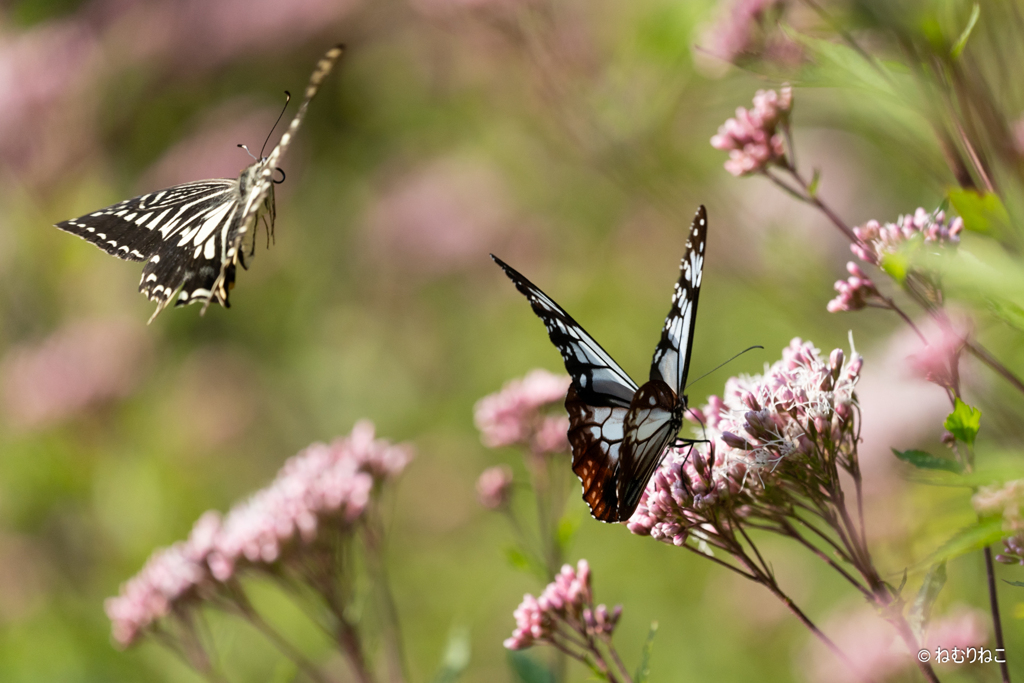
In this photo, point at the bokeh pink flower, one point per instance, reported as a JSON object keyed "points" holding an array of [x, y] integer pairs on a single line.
{"points": [[938, 359], [517, 415], [962, 627], [871, 645], [48, 78], [324, 486], [81, 366], [752, 138], [746, 29], [220, 31], [439, 218], [494, 487]]}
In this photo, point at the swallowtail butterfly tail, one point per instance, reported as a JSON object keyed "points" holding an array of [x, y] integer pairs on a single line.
{"points": [[618, 431], [192, 236]]}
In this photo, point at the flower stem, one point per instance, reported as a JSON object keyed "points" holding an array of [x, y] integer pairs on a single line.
{"points": [[985, 357], [286, 648], [792, 606], [997, 623], [392, 632]]}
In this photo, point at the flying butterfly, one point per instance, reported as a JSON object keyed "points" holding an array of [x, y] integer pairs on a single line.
{"points": [[619, 431], [193, 235]]}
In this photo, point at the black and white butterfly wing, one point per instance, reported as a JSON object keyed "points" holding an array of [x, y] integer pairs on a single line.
{"points": [[257, 181], [597, 402], [672, 355], [180, 232], [599, 381], [656, 412], [650, 426]]}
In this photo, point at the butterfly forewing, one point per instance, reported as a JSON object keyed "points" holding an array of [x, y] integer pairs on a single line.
{"points": [[672, 355], [136, 228], [599, 381]]}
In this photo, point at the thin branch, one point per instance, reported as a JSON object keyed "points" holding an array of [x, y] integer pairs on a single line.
{"points": [[993, 599], [979, 352]]}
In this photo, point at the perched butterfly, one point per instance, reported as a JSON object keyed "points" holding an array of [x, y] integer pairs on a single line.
{"points": [[192, 236], [619, 431]]}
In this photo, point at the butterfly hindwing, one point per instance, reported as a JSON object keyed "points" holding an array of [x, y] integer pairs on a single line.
{"points": [[651, 424], [595, 434], [598, 380], [672, 355]]}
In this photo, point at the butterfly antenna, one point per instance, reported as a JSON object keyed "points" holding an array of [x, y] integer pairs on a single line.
{"points": [[287, 99], [750, 348], [248, 152]]}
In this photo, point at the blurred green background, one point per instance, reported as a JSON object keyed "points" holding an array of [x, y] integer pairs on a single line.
{"points": [[569, 138]]}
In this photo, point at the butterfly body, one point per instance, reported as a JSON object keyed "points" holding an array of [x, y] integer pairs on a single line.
{"points": [[619, 431], [192, 236]]}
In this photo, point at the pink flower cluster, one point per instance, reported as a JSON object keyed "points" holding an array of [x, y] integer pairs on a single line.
{"points": [[875, 240], [494, 487], [516, 414], [170, 577], [79, 367], [855, 292], [567, 603], [1005, 500], [751, 138], [324, 485], [735, 33], [800, 403]]}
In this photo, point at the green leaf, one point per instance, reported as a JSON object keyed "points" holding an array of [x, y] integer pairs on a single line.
{"points": [[812, 188], [927, 461], [969, 539], [643, 672], [527, 670], [1014, 583], [921, 610], [525, 562], [456, 656], [860, 70], [958, 47], [982, 212], [896, 264], [1009, 312], [963, 422], [567, 527]]}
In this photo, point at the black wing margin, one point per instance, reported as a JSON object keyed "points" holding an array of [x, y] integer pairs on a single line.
{"points": [[672, 355], [597, 379]]}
